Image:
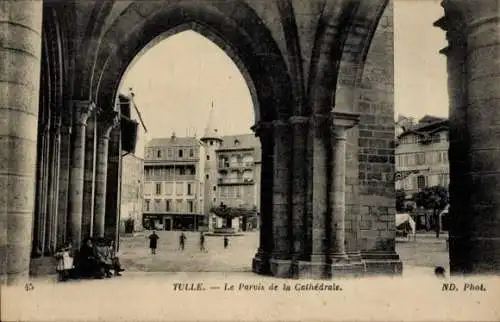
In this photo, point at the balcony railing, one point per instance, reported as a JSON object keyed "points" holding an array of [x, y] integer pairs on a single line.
{"points": [[236, 164], [236, 180]]}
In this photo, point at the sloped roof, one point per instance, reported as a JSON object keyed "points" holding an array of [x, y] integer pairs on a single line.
{"points": [[174, 141], [210, 129], [242, 141], [427, 128]]}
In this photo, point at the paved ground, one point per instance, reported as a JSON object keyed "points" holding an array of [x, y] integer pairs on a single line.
{"points": [[143, 295], [425, 252]]}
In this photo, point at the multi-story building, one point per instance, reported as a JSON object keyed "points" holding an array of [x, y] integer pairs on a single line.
{"points": [[238, 167], [173, 183], [131, 199], [422, 156]]}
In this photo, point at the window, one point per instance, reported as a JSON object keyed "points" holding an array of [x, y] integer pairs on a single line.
{"points": [[158, 188], [420, 182], [215, 188], [147, 204], [420, 158], [436, 138], [182, 171], [215, 200], [179, 188], [158, 153], [169, 188], [190, 206], [168, 206], [180, 153], [191, 153], [189, 192], [211, 142], [208, 157], [170, 153], [207, 176]]}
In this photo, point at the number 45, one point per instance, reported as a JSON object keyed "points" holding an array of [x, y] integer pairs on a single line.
{"points": [[29, 287]]}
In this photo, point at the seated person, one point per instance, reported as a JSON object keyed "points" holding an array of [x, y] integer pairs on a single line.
{"points": [[115, 260], [103, 257], [87, 264]]}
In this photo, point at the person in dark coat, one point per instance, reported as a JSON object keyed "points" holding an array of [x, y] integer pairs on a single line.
{"points": [[202, 243], [226, 241], [87, 262], [182, 241], [153, 242]]}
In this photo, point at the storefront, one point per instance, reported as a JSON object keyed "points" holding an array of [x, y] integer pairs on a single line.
{"points": [[173, 221]]}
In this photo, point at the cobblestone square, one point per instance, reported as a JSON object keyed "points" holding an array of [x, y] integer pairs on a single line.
{"points": [[426, 252]]}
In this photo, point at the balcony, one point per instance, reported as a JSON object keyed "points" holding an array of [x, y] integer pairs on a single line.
{"points": [[236, 181], [235, 165]]}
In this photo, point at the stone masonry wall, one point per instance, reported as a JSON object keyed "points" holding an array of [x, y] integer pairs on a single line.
{"points": [[376, 142]]}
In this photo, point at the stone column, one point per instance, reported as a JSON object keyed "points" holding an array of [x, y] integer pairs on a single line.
{"points": [[82, 110], [481, 229], [89, 177], [52, 213], [260, 263], [280, 257], [300, 127], [458, 149], [42, 183], [20, 39], [342, 121], [62, 218], [106, 120], [317, 191]]}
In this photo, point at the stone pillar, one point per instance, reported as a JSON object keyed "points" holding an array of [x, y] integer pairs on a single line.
{"points": [[106, 120], [480, 233], [82, 110], [42, 183], [280, 257], [300, 128], [341, 122], [89, 177], [20, 40], [260, 263], [53, 190], [458, 149], [62, 218]]}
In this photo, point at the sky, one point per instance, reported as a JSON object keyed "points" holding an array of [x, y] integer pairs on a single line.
{"points": [[177, 80]]}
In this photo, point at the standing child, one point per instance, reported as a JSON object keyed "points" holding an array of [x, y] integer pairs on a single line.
{"points": [[202, 243], [64, 262]]}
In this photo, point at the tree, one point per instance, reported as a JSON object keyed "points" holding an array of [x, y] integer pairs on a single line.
{"points": [[229, 213], [400, 200], [433, 198]]}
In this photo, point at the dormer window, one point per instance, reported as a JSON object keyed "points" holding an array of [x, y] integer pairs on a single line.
{"points": [[236, 142], [158, 153]]}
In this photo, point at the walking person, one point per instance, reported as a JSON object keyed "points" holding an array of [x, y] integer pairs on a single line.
{"points": [[153, 242], [182, 241], [202, 243], [226, 242]]}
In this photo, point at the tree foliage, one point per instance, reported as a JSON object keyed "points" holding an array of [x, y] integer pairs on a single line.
{"points": [[435, 198], [400, 200], [225, 211]]}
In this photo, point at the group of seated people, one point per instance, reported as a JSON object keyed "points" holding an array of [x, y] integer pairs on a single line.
{"points": [[97, 258]]}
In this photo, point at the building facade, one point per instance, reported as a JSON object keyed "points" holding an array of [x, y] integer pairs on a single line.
{"points": [[238, 169], [131, 196], [173, 183], [422, 156]]}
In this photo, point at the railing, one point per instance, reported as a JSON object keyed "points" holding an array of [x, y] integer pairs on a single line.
{"points": [[235, 180], [236, 164]]}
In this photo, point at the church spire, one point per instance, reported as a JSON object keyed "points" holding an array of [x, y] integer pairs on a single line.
{"points": [[210, 129]]}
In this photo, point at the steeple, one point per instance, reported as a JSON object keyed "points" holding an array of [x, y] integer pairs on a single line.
{"points": [[210, 129]]}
